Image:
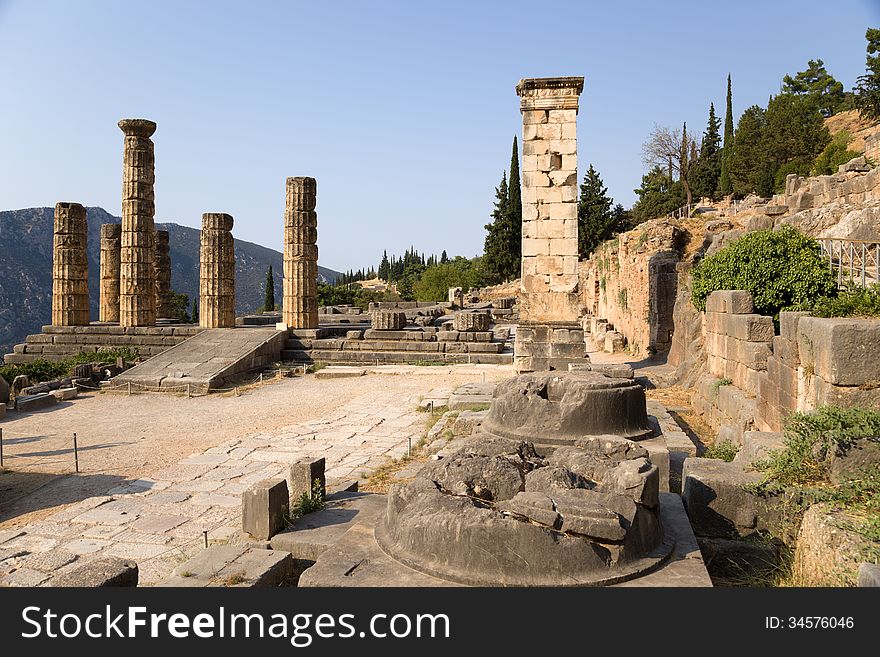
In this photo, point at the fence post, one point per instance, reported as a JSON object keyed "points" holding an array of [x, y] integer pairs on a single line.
{"points": [[1, 448], [188, 391], [75, 453], [129, 387]]}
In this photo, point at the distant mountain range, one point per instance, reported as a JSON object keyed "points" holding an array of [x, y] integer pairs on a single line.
{"points": [[26, 269]]}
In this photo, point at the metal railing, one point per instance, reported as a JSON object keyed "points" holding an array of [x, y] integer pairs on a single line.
{"points": [[853, 260]]}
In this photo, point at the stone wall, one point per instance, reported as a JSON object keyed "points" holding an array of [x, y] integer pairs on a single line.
{"points": [[753, 378], [631, 282]]}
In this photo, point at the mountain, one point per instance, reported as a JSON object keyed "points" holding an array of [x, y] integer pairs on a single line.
{"points": [[26, 269]]}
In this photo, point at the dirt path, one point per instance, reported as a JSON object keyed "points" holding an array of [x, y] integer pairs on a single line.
{"points": [[121, 438]]}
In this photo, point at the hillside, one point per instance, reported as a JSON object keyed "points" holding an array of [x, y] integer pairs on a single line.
{"points": [[26, 269]]}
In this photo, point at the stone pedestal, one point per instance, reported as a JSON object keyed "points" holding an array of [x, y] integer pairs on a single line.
{"points": [[549, 287], [300, 305], [388, 320], [70, 267], [163, 275], [137, 274], [111, 235], [471, 321], [217, 272]]}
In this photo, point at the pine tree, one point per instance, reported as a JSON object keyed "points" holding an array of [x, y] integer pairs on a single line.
{"points": [[818, 84], [725, 185], [707, 170], [494, 247], [195, 311], [595, 217], [750, 170], [514, 218], [868, 86], [269, 299]]}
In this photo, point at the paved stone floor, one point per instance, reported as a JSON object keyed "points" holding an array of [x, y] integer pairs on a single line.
{"points": [[160, 521]]}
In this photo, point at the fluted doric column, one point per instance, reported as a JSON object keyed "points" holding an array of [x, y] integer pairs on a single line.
{"points": [[137, 274], [300, 306], [163, 275], [217, 272], [70, 266], [109, 301]]}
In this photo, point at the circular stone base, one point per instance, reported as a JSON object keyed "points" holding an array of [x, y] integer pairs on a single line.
{"points": [[495, 513], [561, 408]]}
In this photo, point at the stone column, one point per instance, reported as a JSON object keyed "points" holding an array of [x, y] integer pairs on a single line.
{"points": [[109, 304], [217, 272], [549, 283], [300, 305], [137, 275], [163, 275], [70, 267]]}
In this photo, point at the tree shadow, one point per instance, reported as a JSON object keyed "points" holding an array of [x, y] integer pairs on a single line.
{"points": [[23, 492]]}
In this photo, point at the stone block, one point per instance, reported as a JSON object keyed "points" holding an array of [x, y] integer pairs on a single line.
{"points": [[788, 323], [757, 445], [753, 354], [105, 572], [850, 461], [65, 394], [719, 503], [264, 508], [751, 328], [827, 552], [734, 302], [842, 351], [869, 574], [31, 403], [303, 475]]}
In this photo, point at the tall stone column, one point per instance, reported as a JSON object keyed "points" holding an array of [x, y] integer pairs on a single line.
{"points": [[300, 306], [70, 266], [163, 275], [549, 334], [110, 243], [137, 274], [217, 272]]}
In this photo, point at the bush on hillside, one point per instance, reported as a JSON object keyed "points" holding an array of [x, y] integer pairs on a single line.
{"points": [[781, 269], [851, 302]]}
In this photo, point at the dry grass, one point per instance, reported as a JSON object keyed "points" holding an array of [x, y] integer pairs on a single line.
{"points": [[677, 401]]}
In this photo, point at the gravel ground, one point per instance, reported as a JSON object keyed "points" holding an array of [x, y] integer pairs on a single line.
{"points": [[122, 437]]}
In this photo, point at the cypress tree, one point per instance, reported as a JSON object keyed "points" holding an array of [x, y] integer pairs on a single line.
{"points": [[707, 170], [514, 218], [724, 184], [195, 311], [495, 245], [444, 258], [595, 216], [269, 300]]}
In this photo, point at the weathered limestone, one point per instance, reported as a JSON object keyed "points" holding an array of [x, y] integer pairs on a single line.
{"points": [[217, 272], [495, 513], [106, 572], [562, 408], [137, 274], [300, 306], [111, 239], [471, 321], [303, 475], [70, 267], [264, 507], [549, 281], [388, 320], [163, 275]]}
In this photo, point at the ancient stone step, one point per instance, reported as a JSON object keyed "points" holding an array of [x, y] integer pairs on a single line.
{"points": [[234, 566], [209, 360]]}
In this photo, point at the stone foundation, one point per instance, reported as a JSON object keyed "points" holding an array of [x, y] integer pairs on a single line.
{"points": [[551, 346], [57, 343]]}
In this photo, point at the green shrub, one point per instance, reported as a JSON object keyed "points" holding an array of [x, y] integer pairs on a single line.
{"points": [[834, 155], [724, 450], [781, 269], [810, 440], [43, 370], [851, 302]]}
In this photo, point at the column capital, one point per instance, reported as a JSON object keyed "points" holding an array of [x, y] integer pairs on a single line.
{"points": [[549, 93], [137, 127]]}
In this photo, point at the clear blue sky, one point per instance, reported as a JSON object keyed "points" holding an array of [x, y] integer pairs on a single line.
{"points": [[403, 111]]}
